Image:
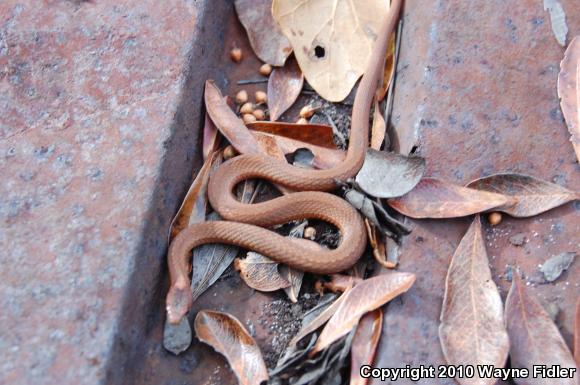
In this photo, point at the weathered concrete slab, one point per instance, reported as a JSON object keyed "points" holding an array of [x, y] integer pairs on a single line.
{"points": [[476, 94], [99, 109]]}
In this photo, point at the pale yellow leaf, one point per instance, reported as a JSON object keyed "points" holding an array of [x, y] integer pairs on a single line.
{"points": [[332, 39]]}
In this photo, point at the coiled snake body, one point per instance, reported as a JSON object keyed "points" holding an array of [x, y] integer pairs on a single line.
{"points": [[244, 229]]}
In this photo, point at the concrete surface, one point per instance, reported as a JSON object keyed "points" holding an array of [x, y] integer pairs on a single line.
{"points": [[99, 109], [476, 94]]}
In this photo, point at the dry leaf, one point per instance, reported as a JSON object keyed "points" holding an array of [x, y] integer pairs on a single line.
{"points": [[364, 345], [269, 146], [389, 70], [260, 272], [324, 158], [284, 86], [310, 325], [227, 122], [553, 267], [376, 240], [472, 330], [332, 39], [209, 262], [316, 134], [211, 138], [366, 296], [389, 175], [340, 282], [293, 276], [194, 204], [558, 20], [228, 336], [435, 198], [569, 91], [530, 196], [268, 42], [577, 334], [535, 339], [378, 129]]}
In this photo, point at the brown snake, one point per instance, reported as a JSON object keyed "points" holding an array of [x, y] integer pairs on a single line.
{"points": [[309, 202]]}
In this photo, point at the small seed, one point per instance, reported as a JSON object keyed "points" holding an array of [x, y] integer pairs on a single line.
{"points": [[261, 97], [236, 54], [302, 121], [494, 218], [247, 108], [229, 152], [259, 114], [265, 69], [242, 97], [249, 118], [310, 233], [307, 111]]}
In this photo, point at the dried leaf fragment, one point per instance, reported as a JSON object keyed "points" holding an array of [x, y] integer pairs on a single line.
{"points": [[266, 39], [332, 39], [379, 127], [284, 86], [366, 296], [529, 196], [435, 198], [315, 134], [364, 344], [555, 266], [569, 91], [260, 272], [227, 122], [558, 20], [534, 338], [194, 204], [388, 174], [228, 336], [472, 330]]}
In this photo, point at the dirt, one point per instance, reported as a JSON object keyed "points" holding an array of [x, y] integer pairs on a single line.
{"points": [[283, 320]]}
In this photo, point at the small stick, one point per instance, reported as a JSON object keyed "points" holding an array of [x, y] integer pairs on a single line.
{"points": [[251, 81], [389, 105]]}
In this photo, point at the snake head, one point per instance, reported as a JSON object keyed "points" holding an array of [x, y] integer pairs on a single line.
{"points": [[178, 302]]}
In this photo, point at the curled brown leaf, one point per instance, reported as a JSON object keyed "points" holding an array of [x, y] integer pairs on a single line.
{"points": [[228, 336], [569, 91], [535, 339], [284, 86], [435, 198], [194, 204], [364, 344], [472, 330], [211, 138], [529, 196], [366, 296], [227, 122]]}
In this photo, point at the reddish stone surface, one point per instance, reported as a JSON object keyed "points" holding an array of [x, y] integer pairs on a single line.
{"points": [[99, 109], [476, 87]]}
